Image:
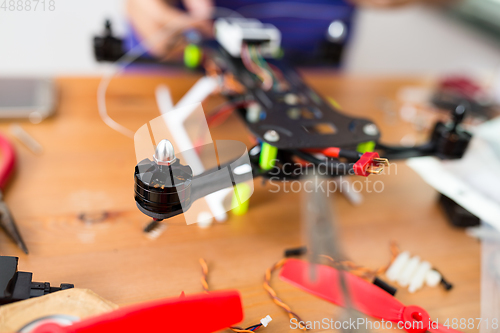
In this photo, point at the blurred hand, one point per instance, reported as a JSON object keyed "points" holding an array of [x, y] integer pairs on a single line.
{"points": [[150, 17]]}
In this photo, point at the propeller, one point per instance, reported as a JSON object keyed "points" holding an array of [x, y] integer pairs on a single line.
{"points": [[363, 296], [201, 313]]}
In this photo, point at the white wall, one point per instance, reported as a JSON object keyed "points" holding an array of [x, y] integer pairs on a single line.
{"points": [[54, 42], [418, 40], [404, 41]]}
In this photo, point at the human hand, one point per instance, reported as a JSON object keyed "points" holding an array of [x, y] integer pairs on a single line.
{"points": [[150, 17]]}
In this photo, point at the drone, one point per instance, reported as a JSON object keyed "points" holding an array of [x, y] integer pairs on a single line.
{"points": [[289, 120]]}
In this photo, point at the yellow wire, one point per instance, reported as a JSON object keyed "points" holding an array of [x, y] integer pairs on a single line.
{"points": [[204, 283], [294, 318]]}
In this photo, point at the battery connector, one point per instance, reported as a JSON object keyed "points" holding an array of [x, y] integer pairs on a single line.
{"points": [[370, 163]]}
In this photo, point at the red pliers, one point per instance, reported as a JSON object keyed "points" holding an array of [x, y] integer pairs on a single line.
{"points": [[7, 165]]}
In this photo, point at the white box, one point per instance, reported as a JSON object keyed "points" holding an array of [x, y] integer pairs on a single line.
{"points": [[231, 33]]}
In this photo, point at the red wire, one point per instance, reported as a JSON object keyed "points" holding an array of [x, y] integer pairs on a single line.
{"points": [[224, 111], [329, 152], [218, 118]]}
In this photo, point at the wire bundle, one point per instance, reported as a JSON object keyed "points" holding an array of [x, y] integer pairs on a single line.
{"points": [[216, 118], [294, 318], [361, 271], [204, 283], [250, 63]]}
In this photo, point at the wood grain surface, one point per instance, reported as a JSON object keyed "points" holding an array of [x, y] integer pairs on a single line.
{"points": [[87, 168]]}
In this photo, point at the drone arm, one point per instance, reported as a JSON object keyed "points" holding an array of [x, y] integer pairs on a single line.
{"points": [[219, 178]]}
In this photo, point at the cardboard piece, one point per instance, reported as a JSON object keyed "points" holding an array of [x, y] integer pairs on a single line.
{"points": [[81, 303]]}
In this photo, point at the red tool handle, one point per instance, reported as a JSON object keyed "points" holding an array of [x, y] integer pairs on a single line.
{"points": [[364, 296], [203, 313]]}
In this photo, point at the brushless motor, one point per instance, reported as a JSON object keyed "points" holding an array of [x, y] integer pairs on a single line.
{"points": [[451, 140], [163, 185]]}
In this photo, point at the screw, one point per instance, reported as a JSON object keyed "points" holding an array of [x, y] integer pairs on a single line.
{"points": [[370, 129], [271, 136]]}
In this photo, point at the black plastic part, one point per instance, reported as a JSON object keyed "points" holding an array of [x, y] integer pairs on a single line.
{"points": [[108, 47], [457, 215], [212, 180], [151, 225], [296, 252], [450, 140], [446, 285], [17, 286], [162, 192], [384, 286], [331, 52], [256, 41], [310, 122], [8, 269]]}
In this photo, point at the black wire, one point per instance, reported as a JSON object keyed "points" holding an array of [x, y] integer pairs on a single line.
{"points": [[400, 152], [254, 326], [350, 155], [425, 148], [248, 328]]}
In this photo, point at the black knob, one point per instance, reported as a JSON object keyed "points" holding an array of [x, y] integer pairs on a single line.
{"points": [[459, 115]]}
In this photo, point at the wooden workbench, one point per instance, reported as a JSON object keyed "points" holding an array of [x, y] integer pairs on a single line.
{"points": [[88, 168]]}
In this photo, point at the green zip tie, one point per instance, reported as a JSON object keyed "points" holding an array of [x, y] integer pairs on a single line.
{"points": [[365, 147], [268, 155], [192, 56], [241, 199]]}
